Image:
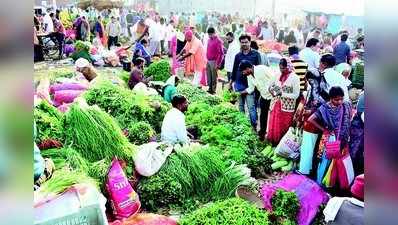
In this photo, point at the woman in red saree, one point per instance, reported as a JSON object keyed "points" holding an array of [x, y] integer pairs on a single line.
{"points": [[285, 91]]}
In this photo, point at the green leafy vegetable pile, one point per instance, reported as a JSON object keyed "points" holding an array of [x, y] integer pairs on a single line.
{"points": [[196, 95], [232, 211], [160, 71], [225, 127], [230, 96], [82, 45], [191, 173], [95, 134], [66, 157], [63, 179], [127, 107], [285, 206], [140, 133], [49, 122]]}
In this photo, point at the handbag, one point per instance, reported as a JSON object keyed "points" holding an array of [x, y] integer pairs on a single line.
{"points": [[333, 147], [289, 146]]}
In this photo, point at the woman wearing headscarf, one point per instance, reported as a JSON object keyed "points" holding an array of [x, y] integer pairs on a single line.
{"points": [[285, 91], [194, 56]]}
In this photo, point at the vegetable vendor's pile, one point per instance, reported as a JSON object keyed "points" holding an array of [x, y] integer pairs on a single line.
{"points": [[285, 206], [127, 107], [160, 71], [198, 181], [199, 173], [231, 211]]}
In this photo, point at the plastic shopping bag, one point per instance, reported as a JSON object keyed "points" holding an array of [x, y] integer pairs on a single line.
{"points": [[150, 158], [289, 146], [323, 166], [124, 200]]}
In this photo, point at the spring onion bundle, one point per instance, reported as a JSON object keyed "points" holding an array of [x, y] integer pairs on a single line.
{"points": [[63, 179], [191, 173], [66, 157], [95, 134]]}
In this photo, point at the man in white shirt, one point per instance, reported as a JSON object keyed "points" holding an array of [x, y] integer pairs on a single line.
{"points": [[163, 33], [267, 33], [48, 23], [233, 49], [154, 37], [310, 54], [114, 29], [170, 32], [298, 34], [174, 130], [332, 77], [259, 77]]}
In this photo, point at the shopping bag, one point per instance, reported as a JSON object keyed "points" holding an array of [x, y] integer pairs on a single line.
{"points": [[289, 146], [326, 179], [345, 171], [323, 166], [150, 158]]}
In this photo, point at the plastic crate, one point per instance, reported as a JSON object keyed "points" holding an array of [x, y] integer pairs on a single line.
{"points": [[89, 215], [83, 205]]}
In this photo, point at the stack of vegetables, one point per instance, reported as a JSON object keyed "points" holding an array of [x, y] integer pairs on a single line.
{"points": [[160, 71], [358, 74], [285, 207], [279, 163], [196, 95], [128, 107], [232, 211], [49, 123], [223, 126], [95, 134], [192, 174]]}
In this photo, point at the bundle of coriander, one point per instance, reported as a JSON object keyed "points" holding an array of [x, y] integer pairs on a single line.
{"points": [[95, 134]]}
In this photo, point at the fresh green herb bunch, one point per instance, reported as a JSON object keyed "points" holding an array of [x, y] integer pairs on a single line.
{"points": [[232, 211], [96, 135], [49, 122], [62, 179], [140, 133], [223, 126], [160, 71], [196, 95], [285, 204], [66, 157], [192, 173], [82, 46], [127, 107]]}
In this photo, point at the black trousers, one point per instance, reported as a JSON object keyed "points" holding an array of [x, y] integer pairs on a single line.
{"points": [[264, 108], [60, 39], [112, 41], [38, 53]]}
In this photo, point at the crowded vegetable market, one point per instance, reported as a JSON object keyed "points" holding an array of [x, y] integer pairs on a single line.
{"points": [[198, 112]]}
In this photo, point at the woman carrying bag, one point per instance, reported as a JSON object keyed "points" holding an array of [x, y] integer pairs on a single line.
{"points": [[334, 119]]}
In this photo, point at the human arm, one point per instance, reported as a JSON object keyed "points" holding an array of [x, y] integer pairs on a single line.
{"points": [[251, 86], [313, 120]]}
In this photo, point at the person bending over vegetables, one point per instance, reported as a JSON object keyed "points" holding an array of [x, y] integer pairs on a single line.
{"points": [[169, 90], [137, 75], [174, 130], [84, 67]]}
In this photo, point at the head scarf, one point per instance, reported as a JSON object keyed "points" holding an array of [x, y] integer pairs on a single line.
{"points": [[290, 69], [188, 34]]}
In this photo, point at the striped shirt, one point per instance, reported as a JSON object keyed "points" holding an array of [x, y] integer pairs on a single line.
{"points": [[300, 68]]}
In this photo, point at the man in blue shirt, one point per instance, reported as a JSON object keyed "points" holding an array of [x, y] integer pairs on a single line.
{"points": [[342, 50], [239, 81]]}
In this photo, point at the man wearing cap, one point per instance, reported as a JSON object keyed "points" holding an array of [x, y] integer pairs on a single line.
{"points": [[84, 67], [194, 56]]}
